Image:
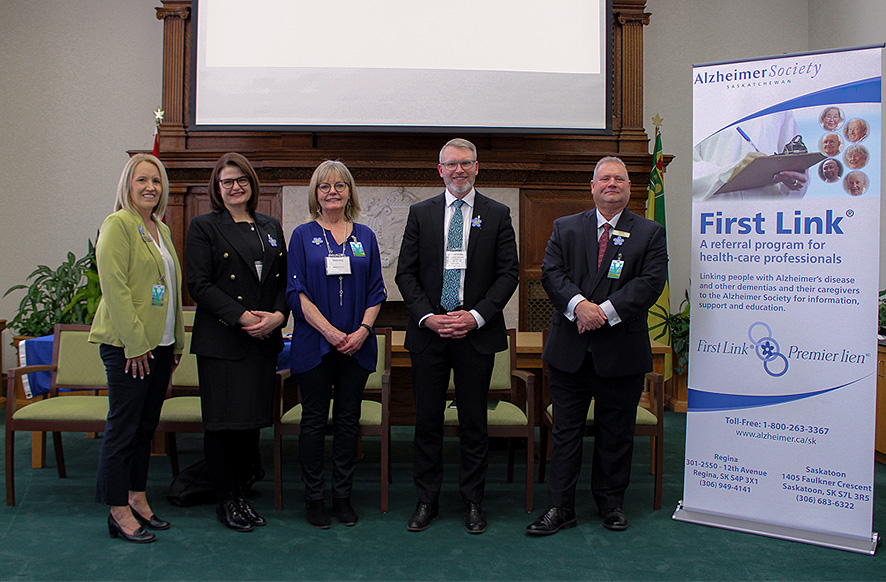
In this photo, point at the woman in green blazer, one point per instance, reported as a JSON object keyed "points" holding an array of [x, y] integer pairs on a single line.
{"points": [[139, 326]]}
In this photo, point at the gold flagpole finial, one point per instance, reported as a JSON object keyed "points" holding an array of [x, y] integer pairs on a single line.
{"points": [[657, 121], [158, 116]]}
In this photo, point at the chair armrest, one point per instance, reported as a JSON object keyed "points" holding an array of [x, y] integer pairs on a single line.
{"points": [[654, 385], [13, 375], [279, 380], [386, 397], [528, 380]]}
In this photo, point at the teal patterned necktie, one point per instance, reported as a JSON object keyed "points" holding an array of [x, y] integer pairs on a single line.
{"points": [[454, 241]]}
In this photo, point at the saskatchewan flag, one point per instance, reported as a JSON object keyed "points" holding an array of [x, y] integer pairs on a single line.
{"points": [[659, 314]]}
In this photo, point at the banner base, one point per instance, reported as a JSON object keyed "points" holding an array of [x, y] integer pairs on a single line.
{"points": [[776, 531]]}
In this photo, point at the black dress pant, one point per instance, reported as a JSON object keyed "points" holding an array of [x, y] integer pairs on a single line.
{"points": [[615, 415], [232, 459], [316, 389], [133, 414], [472, 372]]}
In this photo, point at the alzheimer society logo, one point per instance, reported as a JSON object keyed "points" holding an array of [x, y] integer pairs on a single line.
{"points": [[774, 362]]}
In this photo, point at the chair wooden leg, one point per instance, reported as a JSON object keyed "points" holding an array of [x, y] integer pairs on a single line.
{"points": [[659, 470], [38, 450], [10, 464], [59, 454], [390, 465], [278, 471]]}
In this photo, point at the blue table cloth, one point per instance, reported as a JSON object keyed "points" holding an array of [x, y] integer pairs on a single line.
{"points": [[32, 352]]}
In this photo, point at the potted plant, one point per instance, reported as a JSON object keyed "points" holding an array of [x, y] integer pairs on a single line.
{"points": [[67, 294], [881, 320]]}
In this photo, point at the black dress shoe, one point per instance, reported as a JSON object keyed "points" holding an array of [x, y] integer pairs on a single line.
{"points": [[249, 512], [552, 521], [316, 514], [153, 523], [344, 511], [422, 516], [475, 521], [229, 513], [614, 518], [139, 536]]}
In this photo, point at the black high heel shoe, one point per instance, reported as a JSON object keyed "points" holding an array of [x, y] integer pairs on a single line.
{"points": [[139, 536], [153, 523]]}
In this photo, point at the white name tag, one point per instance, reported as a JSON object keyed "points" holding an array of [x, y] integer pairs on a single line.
{"points": [[456, 260], [338, 265]]}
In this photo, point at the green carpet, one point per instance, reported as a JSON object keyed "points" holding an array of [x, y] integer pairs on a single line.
{"points": [[56, 531]]}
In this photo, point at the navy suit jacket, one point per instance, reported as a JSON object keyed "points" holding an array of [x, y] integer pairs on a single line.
{"points": [[570, 268], [490, 278], [223, 282]]}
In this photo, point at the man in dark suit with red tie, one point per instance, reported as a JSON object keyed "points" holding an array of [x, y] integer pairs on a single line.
{"points": [[457, 269], [603, 269]]}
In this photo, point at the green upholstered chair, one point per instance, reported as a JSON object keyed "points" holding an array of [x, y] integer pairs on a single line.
{"points": [[188, 313], [650, 423], [375, 419], [511, 411], [76, 365], [181, 413]]}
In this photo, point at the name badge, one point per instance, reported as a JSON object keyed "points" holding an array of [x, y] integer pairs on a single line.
{"points": [[357, 249], [615, 268], [158, 294], [338, 265], [456, 260]]}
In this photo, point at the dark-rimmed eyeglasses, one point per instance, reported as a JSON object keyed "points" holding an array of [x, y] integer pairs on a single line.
{"points": [[228, 183], [325, 187]]}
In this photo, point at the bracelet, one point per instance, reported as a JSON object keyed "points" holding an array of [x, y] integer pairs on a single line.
{"points": [[368, 327]]}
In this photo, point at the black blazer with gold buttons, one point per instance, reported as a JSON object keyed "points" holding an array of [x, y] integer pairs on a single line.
{"points": [[223, 281]]}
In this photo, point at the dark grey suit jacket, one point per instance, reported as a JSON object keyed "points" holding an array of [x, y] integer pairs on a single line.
{"points": [[490, 278], [570, 268]]}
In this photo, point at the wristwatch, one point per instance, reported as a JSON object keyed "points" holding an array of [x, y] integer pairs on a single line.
{"points": [[368, 327]]}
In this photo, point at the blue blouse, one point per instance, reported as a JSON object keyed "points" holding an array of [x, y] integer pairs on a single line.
{"points": [[362, 289]]}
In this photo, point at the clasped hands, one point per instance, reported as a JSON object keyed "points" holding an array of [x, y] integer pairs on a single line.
{"points": [[260, 324], [453, 325], [589, 316], [347, 343]]}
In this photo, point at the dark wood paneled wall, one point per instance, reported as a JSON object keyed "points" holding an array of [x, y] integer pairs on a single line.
{"points": [[552, 171]]}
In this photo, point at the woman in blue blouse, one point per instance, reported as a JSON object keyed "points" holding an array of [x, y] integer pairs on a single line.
{"points": [[335, 291]]}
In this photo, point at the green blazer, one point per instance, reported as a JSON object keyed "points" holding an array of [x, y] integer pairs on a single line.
{"points": [[128, 268]]}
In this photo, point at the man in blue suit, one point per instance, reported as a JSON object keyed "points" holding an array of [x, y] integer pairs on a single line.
{"points": [[457, 269], [603, 269]]}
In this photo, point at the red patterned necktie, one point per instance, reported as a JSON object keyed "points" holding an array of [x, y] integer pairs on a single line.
{"points": [[603, 243]]}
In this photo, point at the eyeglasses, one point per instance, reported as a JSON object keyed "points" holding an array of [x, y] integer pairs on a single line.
{"points": [[465, 165], [326, 187], [228, 183]]}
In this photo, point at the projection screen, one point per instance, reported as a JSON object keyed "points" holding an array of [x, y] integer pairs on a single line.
{"points": [[405, 65]]}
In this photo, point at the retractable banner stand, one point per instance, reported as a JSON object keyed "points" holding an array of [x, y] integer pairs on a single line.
{"points": [[785, 256]]}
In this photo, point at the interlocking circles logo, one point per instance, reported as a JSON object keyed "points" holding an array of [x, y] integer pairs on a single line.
{"points": [[774, 362]]}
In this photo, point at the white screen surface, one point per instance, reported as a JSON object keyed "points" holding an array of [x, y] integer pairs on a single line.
{"points": [[402, 64]]}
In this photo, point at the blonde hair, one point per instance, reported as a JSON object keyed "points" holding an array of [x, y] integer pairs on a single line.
{"points": [[323, 171], [124, 186]]}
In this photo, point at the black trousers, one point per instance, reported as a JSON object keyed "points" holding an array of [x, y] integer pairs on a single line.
{"points": [[430, 381], [134, 411], [316, 389], [232, 458], [615, 415]]}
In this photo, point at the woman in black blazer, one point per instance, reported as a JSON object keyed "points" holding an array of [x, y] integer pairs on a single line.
{"points": [[236, 273]]}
